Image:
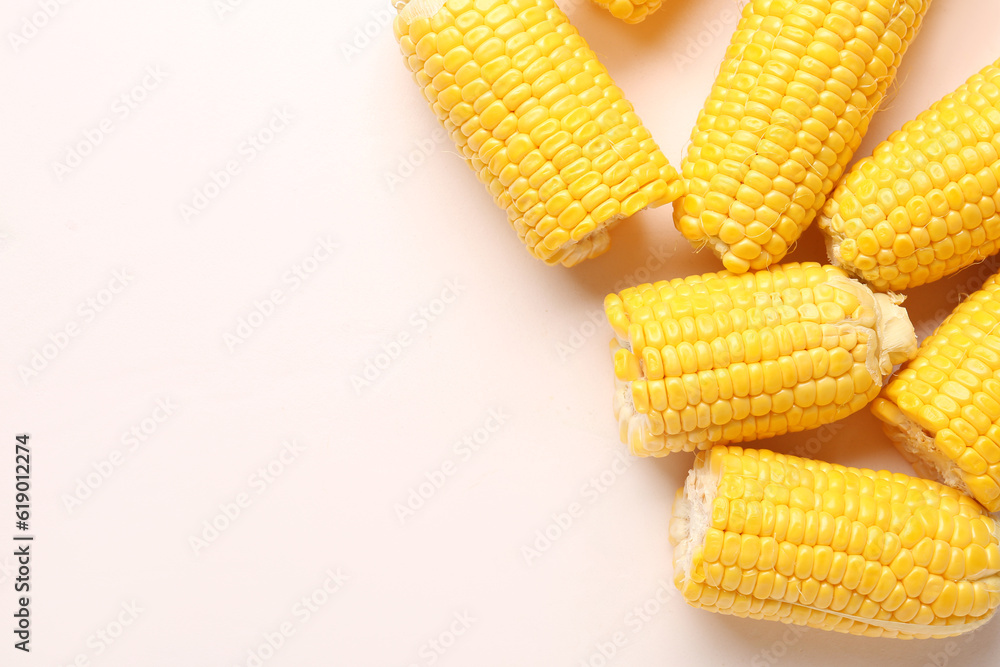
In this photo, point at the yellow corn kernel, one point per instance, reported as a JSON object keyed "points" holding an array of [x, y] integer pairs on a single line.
{"points": [[537, 116], [938, 175], [942, 411], [721, 358], [789, 107], [630, 11], [884, 586]]}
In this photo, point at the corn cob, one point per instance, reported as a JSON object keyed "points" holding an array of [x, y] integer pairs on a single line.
{"points": [[721, 358], [924, 205], [942, 410], [630, 11], [763, 535], [790, 106], [538, 117]]}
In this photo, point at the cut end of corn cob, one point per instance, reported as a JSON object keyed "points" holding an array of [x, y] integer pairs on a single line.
{"points": [[721, 358], [917, 446], [414, 10], [925, 204], [942, 410], [789, 107], [538, 118], [768, 536], [630, 11]]}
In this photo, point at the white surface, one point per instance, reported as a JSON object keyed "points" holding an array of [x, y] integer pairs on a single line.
{"points": [[496, 347]]}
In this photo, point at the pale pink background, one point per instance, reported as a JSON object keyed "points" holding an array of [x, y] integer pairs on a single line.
{"points": [[496, 346]]}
